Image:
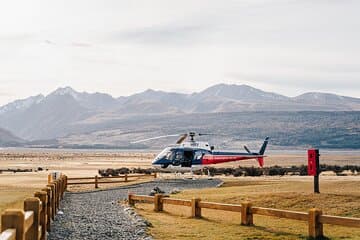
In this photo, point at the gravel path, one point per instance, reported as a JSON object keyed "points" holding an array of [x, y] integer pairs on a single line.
{"points": [[97, 215]]}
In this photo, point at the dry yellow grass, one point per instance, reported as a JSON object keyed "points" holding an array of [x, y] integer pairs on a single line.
{"points": [[91, 187], [14, 188], [13, 197], [338, 197]]}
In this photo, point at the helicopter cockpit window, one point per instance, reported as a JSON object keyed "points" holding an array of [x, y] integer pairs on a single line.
{"points": [[165, 153], [178, 156]]}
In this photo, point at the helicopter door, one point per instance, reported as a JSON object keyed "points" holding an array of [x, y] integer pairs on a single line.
{"points": [[177, 157], [188, 157]]}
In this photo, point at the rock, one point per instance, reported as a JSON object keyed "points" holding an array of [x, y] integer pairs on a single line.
{"points": [[156, 190], [175, 191]]}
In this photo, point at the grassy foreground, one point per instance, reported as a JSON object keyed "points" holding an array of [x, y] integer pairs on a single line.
{"points": [[339, 197], [13, 197]]}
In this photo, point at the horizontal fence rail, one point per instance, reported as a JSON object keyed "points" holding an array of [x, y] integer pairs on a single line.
{"points": [[178, 202], [280, 213], [342, 221], [34, 220], [314, 217], [220, 206], [99, 180]]}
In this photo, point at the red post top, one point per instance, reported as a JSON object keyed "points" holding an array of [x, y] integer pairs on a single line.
{"points": [[313, 162]]}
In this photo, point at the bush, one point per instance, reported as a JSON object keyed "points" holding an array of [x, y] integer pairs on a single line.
{"points": [[276, 171], [252, 171]]}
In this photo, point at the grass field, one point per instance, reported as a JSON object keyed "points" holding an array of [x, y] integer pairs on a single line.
{"points": [[340, 196], [12, 197]]}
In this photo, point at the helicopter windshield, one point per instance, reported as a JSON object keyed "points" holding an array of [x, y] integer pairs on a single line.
{"points": [[165, 153]]}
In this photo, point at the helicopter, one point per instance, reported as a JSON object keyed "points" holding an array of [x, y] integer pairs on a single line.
{"points": [[193, 154]]}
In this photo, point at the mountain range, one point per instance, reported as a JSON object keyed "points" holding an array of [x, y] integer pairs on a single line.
{"points": [[66, 112]]}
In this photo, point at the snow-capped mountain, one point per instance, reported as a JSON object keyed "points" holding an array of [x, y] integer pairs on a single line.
{"points": [[22, 104], [66, 111]]}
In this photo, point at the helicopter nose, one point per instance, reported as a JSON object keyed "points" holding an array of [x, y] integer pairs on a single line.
{"points": [[159, 161]]}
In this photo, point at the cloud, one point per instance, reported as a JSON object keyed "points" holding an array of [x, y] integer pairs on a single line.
{"points": [[123, 47], [170, 34], [16, 38], [49, 42], [6, 94], [304, 82], [80, 44]]}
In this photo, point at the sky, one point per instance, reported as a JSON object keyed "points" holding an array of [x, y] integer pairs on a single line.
{"points": [[123, 47]]}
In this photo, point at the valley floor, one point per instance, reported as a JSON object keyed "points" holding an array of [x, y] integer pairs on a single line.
{"points": [[340, 195]]}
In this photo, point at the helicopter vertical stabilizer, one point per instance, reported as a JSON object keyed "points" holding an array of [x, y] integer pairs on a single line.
{"points": [[263, 147]]}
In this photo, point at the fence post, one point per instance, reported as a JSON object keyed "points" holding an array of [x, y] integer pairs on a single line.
{"points": [[158, 204], [33, 204], [14, 219], [96, 181], [48, 207], [43, 198], [66, 182], [52, 200], [61, 185], [49, 178], [246, 214], [315, 226], [56, 195], [195, 209], [131, 201], [126, 177]]}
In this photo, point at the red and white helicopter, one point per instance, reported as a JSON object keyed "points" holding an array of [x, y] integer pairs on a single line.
{"points": [[192, 154]]}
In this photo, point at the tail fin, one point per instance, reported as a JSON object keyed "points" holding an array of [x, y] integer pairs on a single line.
{"points": [[260, 161], [263, 147]]}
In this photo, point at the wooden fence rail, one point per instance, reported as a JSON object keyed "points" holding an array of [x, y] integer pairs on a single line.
{"points": [[34, 220], [314, 217], [97, 179]]}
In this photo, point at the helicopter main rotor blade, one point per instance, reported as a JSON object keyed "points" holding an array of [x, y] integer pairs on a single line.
{"points": [[158, 137], [182, 138], [212, 134]]}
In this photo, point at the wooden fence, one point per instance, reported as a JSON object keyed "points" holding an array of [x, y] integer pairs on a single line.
{"points": [[98, 180], [34, 220], [314, 217]]}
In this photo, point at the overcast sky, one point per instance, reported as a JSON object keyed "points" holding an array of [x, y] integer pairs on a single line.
{"points": [[123, 47]]}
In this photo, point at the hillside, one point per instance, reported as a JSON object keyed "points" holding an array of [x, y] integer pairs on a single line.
{"points": [[8, 139], [66, 113], [292, 130]]}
